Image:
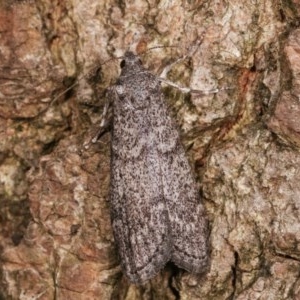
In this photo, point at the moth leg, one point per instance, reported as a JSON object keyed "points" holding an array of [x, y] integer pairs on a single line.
{"points": [[189, 90], [163, 75], [190, 53], [105, 124]]}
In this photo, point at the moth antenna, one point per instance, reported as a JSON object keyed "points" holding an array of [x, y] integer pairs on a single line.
{"points": [[87, 75], [157, 47]]}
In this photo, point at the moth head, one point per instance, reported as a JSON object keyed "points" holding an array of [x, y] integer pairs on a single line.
{"points": [[130, 60]]}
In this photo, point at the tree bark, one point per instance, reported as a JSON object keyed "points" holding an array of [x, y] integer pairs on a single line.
{"points": [[56, 239]]}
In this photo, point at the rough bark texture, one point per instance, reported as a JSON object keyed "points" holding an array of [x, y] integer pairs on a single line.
{"points": [[55, 237]]}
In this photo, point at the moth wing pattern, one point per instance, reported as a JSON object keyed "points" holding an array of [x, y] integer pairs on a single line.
{"points": [[187, 214], [156, 212], [139, 215]]}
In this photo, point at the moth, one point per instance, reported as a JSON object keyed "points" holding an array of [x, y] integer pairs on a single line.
{"points": [[156, 211]]}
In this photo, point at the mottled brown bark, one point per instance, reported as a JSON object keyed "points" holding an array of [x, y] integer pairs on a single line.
{"points": [[55, 235]]}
